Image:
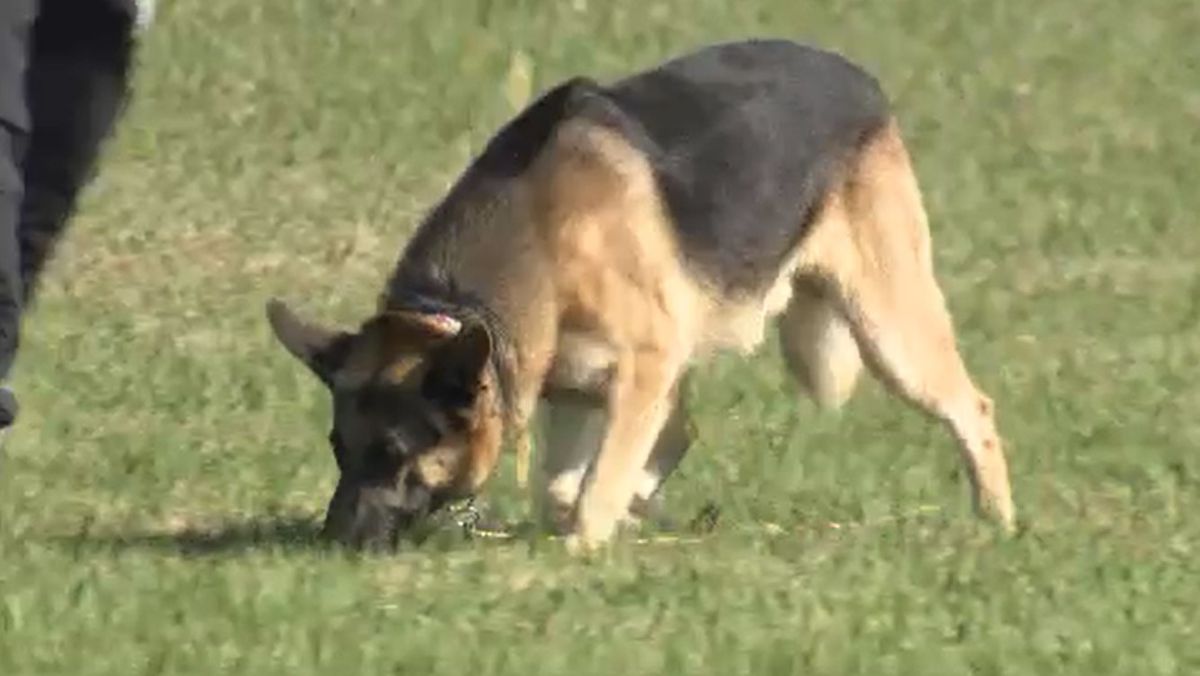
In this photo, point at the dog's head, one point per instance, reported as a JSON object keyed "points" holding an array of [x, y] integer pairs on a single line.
{"points": [[416, 418]]}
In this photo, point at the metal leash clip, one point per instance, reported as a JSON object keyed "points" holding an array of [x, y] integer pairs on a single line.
{"points": [[467, 517]]}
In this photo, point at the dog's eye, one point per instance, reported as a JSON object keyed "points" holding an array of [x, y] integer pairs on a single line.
{"points": [[448, 393]]}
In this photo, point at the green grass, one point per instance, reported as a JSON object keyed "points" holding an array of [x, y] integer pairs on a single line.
{"points": [[159, 497]]}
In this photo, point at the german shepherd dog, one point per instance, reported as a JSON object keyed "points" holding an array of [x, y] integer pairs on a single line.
{"points": [[606, 239]]}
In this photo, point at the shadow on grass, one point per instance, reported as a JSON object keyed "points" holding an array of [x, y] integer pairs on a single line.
{"points": [[292, 533], [286, 533], [302, 533]]}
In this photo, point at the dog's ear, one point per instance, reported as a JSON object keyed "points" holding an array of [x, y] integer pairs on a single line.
{"points": [[407, 331], [403, 339], [456, 373], [322, 350]]}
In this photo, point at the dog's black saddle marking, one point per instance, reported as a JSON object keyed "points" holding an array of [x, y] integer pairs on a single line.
{"points": [[745, 139]]}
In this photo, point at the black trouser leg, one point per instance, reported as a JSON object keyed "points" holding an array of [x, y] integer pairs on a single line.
{"points": [[10, 278], [76, 85], [70, 69], [15, 18]]}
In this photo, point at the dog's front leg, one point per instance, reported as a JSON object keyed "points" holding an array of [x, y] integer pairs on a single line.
{"points": [[638, 406]]}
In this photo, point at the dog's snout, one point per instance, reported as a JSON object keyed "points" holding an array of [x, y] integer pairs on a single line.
{"points": [[373, 516]]}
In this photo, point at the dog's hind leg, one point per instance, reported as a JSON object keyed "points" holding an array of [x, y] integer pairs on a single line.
{"points": [[872, 247], [818, 345]]}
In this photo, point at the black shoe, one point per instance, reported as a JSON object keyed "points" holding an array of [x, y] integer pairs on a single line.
{"points": [[8, 415], [8, 408]]}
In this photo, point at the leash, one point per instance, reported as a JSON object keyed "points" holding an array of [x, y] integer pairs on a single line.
{"points": [[468, 518]]}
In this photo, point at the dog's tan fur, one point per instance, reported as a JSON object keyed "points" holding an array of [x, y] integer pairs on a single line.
{"points": [[621, 298], [870, 250], [590, 282]]}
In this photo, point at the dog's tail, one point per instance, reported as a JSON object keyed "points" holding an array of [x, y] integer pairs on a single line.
{"points": [[819, 346]]}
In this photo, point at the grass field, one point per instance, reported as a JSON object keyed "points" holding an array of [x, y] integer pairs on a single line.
{"points": [[159, 499]]}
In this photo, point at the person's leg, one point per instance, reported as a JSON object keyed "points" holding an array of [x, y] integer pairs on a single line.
{"points": [[77, 83], [16, 17], [10, 278]]}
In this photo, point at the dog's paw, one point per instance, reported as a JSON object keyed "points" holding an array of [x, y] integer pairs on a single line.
{"points": [[581, 547]]}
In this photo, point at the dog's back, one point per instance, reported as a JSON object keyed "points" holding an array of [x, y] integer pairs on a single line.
{"points": [[745, 139]]}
